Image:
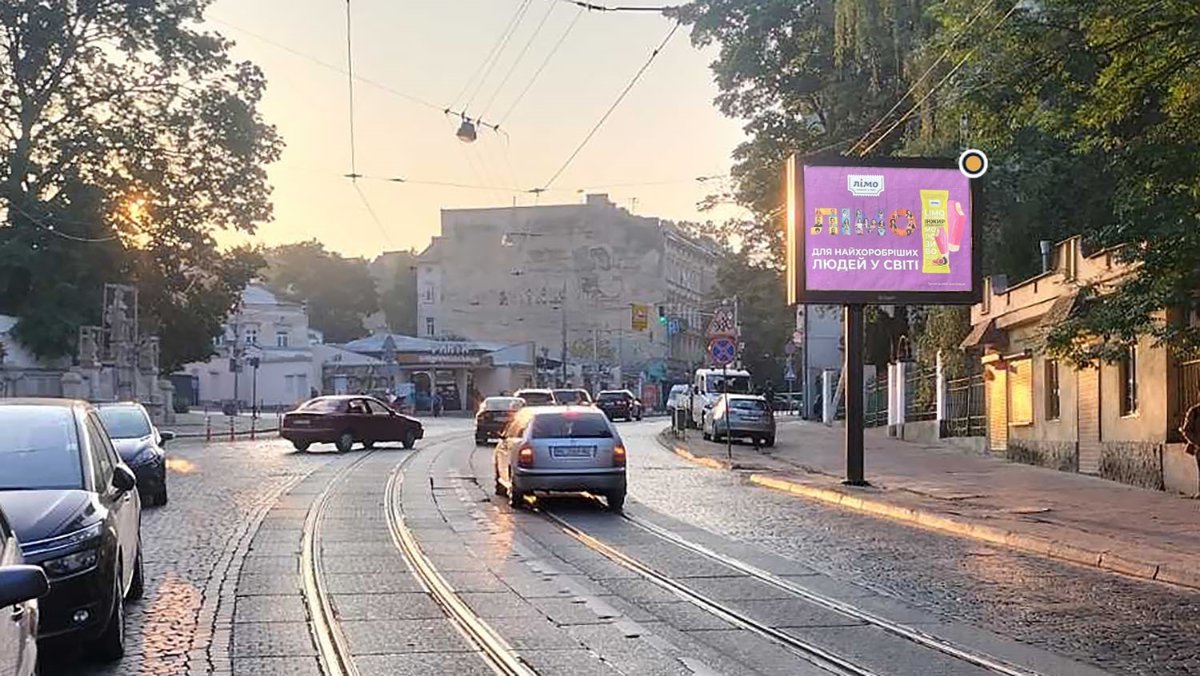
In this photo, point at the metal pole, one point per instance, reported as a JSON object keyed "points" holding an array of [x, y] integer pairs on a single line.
{"points": [[725, 390], [806, 398], [854, 400], [254, 392]]}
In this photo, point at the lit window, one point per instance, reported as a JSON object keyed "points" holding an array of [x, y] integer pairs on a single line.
{"points": [[1052, 399], [1020, 392], [1127, 368]]}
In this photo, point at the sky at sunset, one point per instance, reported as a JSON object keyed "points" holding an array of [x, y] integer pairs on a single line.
{"points": [[664, 135]]}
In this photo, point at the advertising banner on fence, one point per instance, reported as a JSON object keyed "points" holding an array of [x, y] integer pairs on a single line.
{"points": [[881, 233]]}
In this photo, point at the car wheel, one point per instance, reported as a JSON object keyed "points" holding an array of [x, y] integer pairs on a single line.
{"points": [[368, 445], [769, 441], [110, 646], [160, 498], [410, 439], [706, 435], [616, 501], [345, 441], [480, 441], [137, 587], [303, 448]]}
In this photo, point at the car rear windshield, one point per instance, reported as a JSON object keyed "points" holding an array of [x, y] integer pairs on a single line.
{"points": [[538, 398], [501, 404], [748, 405], [568, 397], [320, 406], [39, 448], [571, 426], [125, 422], [612, 396]]}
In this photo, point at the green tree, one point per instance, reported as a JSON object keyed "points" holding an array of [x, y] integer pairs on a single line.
{"points": [[340, 292], [128, 137]]}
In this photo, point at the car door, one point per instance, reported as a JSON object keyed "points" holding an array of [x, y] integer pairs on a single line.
{"points": [[13, 620], [385, 426], [360, 420], [124, 506]]}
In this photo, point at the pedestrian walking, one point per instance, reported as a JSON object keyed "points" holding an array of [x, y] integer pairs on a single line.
{"points": [[437, 405], [1191, 433]]}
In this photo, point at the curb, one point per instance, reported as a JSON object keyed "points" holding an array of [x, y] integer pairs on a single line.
{"points": [[1034, 544], [711, 463]]}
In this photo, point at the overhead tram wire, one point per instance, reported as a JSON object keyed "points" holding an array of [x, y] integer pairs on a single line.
{"points": [[594, 7], [358, 78], [887, 132], [489, 62], [545, 62], [603, 118], [354, 175], [520, 56]]}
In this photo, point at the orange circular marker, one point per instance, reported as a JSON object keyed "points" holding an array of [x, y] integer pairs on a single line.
{"points": [[973, 163]]}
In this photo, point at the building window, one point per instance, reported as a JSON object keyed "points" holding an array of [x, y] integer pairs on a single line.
{"points": [[1052, 404], [428, 294], [430, 327], [252, 335], [1127, 367], [1020, 392], [281, 339]]}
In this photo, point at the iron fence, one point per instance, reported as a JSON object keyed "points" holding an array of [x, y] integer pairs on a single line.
{"points": [[965, 412], [877, 402], [920, 395]]}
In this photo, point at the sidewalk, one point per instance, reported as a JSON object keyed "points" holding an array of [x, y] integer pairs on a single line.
{"points": [[1074, 517]]}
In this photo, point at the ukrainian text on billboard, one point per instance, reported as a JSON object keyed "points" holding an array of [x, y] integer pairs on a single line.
{"points": [[886, 229]]}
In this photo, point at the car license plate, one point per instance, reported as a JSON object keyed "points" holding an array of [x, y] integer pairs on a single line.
{"points": [[573, 451], [300, 423]]}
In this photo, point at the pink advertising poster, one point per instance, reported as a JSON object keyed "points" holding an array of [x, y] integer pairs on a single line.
{"points": [[901, 230]]}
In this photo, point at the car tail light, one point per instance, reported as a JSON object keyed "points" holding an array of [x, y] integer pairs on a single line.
{"points": [[525, 456], [618, 456]]}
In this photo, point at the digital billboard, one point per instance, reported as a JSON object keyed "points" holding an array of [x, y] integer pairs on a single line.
{"points": [[892, 231]]}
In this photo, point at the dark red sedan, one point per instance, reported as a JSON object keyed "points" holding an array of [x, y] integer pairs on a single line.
{"points": [[346, 419]]}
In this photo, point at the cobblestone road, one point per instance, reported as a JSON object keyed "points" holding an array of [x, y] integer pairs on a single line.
{"points": [[218, 492], [1121, 624]]}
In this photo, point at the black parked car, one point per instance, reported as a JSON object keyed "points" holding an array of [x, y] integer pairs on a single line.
{"points": [[493, 416], [141, 447], [73, 505], [619, 404], [20, 587]]}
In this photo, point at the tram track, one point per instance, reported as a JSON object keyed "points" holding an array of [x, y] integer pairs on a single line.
{"points": [[805, 649]]}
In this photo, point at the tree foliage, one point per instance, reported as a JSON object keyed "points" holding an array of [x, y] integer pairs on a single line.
{"points": [[128, 137], [339, 292], [1089, 112]]}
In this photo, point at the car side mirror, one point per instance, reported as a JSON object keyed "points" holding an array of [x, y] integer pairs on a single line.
{"points": [[123, 479], [19, 584], [164, 437]]}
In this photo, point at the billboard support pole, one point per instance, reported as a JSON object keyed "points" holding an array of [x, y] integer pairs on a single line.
{"points": [[854, 400]]}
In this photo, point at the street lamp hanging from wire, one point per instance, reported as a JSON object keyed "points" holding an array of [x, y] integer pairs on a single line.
{"points": [[466, 131]]}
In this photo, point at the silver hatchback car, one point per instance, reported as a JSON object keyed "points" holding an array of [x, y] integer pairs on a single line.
{"points": [[741, 415], [561, 448]]}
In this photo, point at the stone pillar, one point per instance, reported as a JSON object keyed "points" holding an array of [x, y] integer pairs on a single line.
{"points": [[828, 395], [166, 394], [896, 398]]}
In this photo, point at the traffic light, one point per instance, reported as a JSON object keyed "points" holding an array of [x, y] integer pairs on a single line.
{"points": [[662, 315]]}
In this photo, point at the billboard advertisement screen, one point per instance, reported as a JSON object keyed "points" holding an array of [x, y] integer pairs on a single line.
{"points": [[901, 232]]}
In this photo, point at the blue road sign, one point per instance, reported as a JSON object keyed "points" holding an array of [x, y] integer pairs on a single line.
{"points": [[789, 373], [722, 350], [673, 327]]}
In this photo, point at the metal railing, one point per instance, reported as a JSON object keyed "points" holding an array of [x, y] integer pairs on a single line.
{"points": [[877, 402], [965, 412], [920, 395]]}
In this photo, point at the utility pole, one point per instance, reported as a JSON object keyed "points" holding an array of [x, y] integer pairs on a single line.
{"points": [[564, 334]]}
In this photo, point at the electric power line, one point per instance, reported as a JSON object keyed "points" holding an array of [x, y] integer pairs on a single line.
{"points": [[371, 210], [512, 68], [493, 55], [41, 223], [939, 84], [350, 83], [591, 6], [599, 123], [942, 57], [546, 61]]}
